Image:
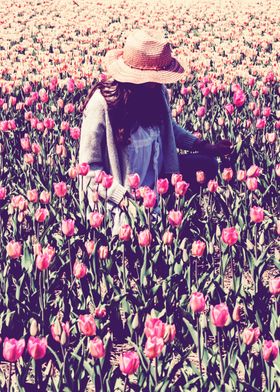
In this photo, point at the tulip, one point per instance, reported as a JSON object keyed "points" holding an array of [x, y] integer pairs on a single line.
{"points": [[261, 123], [250, 336], [28, 158], [13, 349], [266, 111], [181, 188], [125, 232], [73, 172], [176, 177], [3, 193], [32, 195], [79, 270], [252, 183], [95, 219], [167, 237], [198, 248], [274, 286], [270, 350], [37, 347], [239, 98], [41, 214], [227, 174], [87, 324], [200, 177], [197, 302], [133, 180], [60, 189], [153, 347], [241, 175], [144, 238], [162, 185], [236, 314], [256, 214], [277, 169], [107, 180], [100, 312], [219, 315], [212, 186], [83, 168], [129, 362], [154, 327], [103, 252], [149, 199], [201, 111], [90, 245], [44, 197], [230, 236], [254, 171], [271, 137], [75, 133], [229, 108], [170, 333], [42, 261], [68, 227], [58, 327], [175, 218], [13, 249], [96, 348]]}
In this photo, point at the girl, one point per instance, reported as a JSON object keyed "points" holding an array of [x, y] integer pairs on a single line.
{"points": [[127, 125]]}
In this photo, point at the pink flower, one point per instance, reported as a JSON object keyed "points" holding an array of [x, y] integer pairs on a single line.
{"points": [[250, 335], [167, 237], [37, 347], [212, 186], [144, 238], [83, 168], [219, 315], [198, 248], [96, 348], [153, 347], [154, 327], [75, 133], [181, 188], [103, 252], [13, 249], [241, 175], [274, 286], [68, 226], [64, 327], [100, 312], [162, 185], [90, 245], [266, 111], [254, 171], [229, 108], [227, 174], [270, 350], [125, 232], [43, 261], [3, 193], [133, 180], [170, 333], [261, 123], [129, 362], [230, 236], [60, 189], [252, 183], [256, 214], [149, 199], [239, 98], [197, 302], [13, 349], [44, 197], [32, 195], [175, 178], [87, 324], [41, 214], [79, 270], [201, 111], [107, 180], [95, 219], [175, 218]]}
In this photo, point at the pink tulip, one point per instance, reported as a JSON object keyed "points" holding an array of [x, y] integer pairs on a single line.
{"points": [[270, 350], [175, 218], [250, 336], [266, 111], [125, 232], [68, 227], [176, 177], [197, 302], [43, 261], [200, 177], [79, 270], [229, 108], [32, 195], [256, 214], [227, 174], [87, 324], [64, 327], [198, 248], [261, 123], [129, 362], [13, 349], [219, 315], [37, 347], [239, 98], [103, 252], [254, 171], [100, 312], [96, 348], [60, 189], [201, 111], [95, 219], [44, 197], [144, 238], [41, 214], [90, 245], [153, 347], [230, 236], [149, 199], [252, 183], [167, 237], [13, 249], [170, 333], [83, 168], [154, 327], [181, 188], [3, 193], [107, 181], [28, 158], [212, 186], [241, 175], [162, 185], [133, 180], [274, 286]]}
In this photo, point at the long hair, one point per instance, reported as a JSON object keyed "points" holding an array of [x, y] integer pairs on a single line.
{"points": [[129, 105]]}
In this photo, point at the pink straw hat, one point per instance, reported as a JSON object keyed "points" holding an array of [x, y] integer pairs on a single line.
{"points": [[143, 59]]}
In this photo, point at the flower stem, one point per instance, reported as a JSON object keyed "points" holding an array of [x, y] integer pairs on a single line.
{"points": [[198, 343], [70, 263], [125, 383], [124, 270], [221, 357]]}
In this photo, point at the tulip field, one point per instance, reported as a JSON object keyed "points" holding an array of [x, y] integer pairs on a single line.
{"points": [[186, 296]]}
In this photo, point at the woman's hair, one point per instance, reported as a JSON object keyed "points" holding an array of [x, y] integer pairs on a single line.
{"points": [[129, 105]]}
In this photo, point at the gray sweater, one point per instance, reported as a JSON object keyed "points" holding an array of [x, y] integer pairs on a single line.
{"points": [[99, 150]]}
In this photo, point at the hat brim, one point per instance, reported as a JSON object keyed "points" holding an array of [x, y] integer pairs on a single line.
{"points": [[121, 72]]}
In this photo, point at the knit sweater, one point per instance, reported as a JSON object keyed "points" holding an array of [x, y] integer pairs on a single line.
{"points": [[99, 149]]}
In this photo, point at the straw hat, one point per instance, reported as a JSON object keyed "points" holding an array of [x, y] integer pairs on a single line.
{"points": [[144, 58]]}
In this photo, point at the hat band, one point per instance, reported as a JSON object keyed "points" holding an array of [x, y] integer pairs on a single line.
{"points": [[149, 67]]}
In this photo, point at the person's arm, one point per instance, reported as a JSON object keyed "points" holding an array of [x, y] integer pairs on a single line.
{"points": [[93, 130]]}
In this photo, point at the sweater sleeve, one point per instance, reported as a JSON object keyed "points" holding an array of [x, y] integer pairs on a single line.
{"points": [[93, 131], [184, 138]]}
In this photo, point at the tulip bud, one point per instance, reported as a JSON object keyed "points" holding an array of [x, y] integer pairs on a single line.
{"points": [[33, 327], [236, 315]]}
